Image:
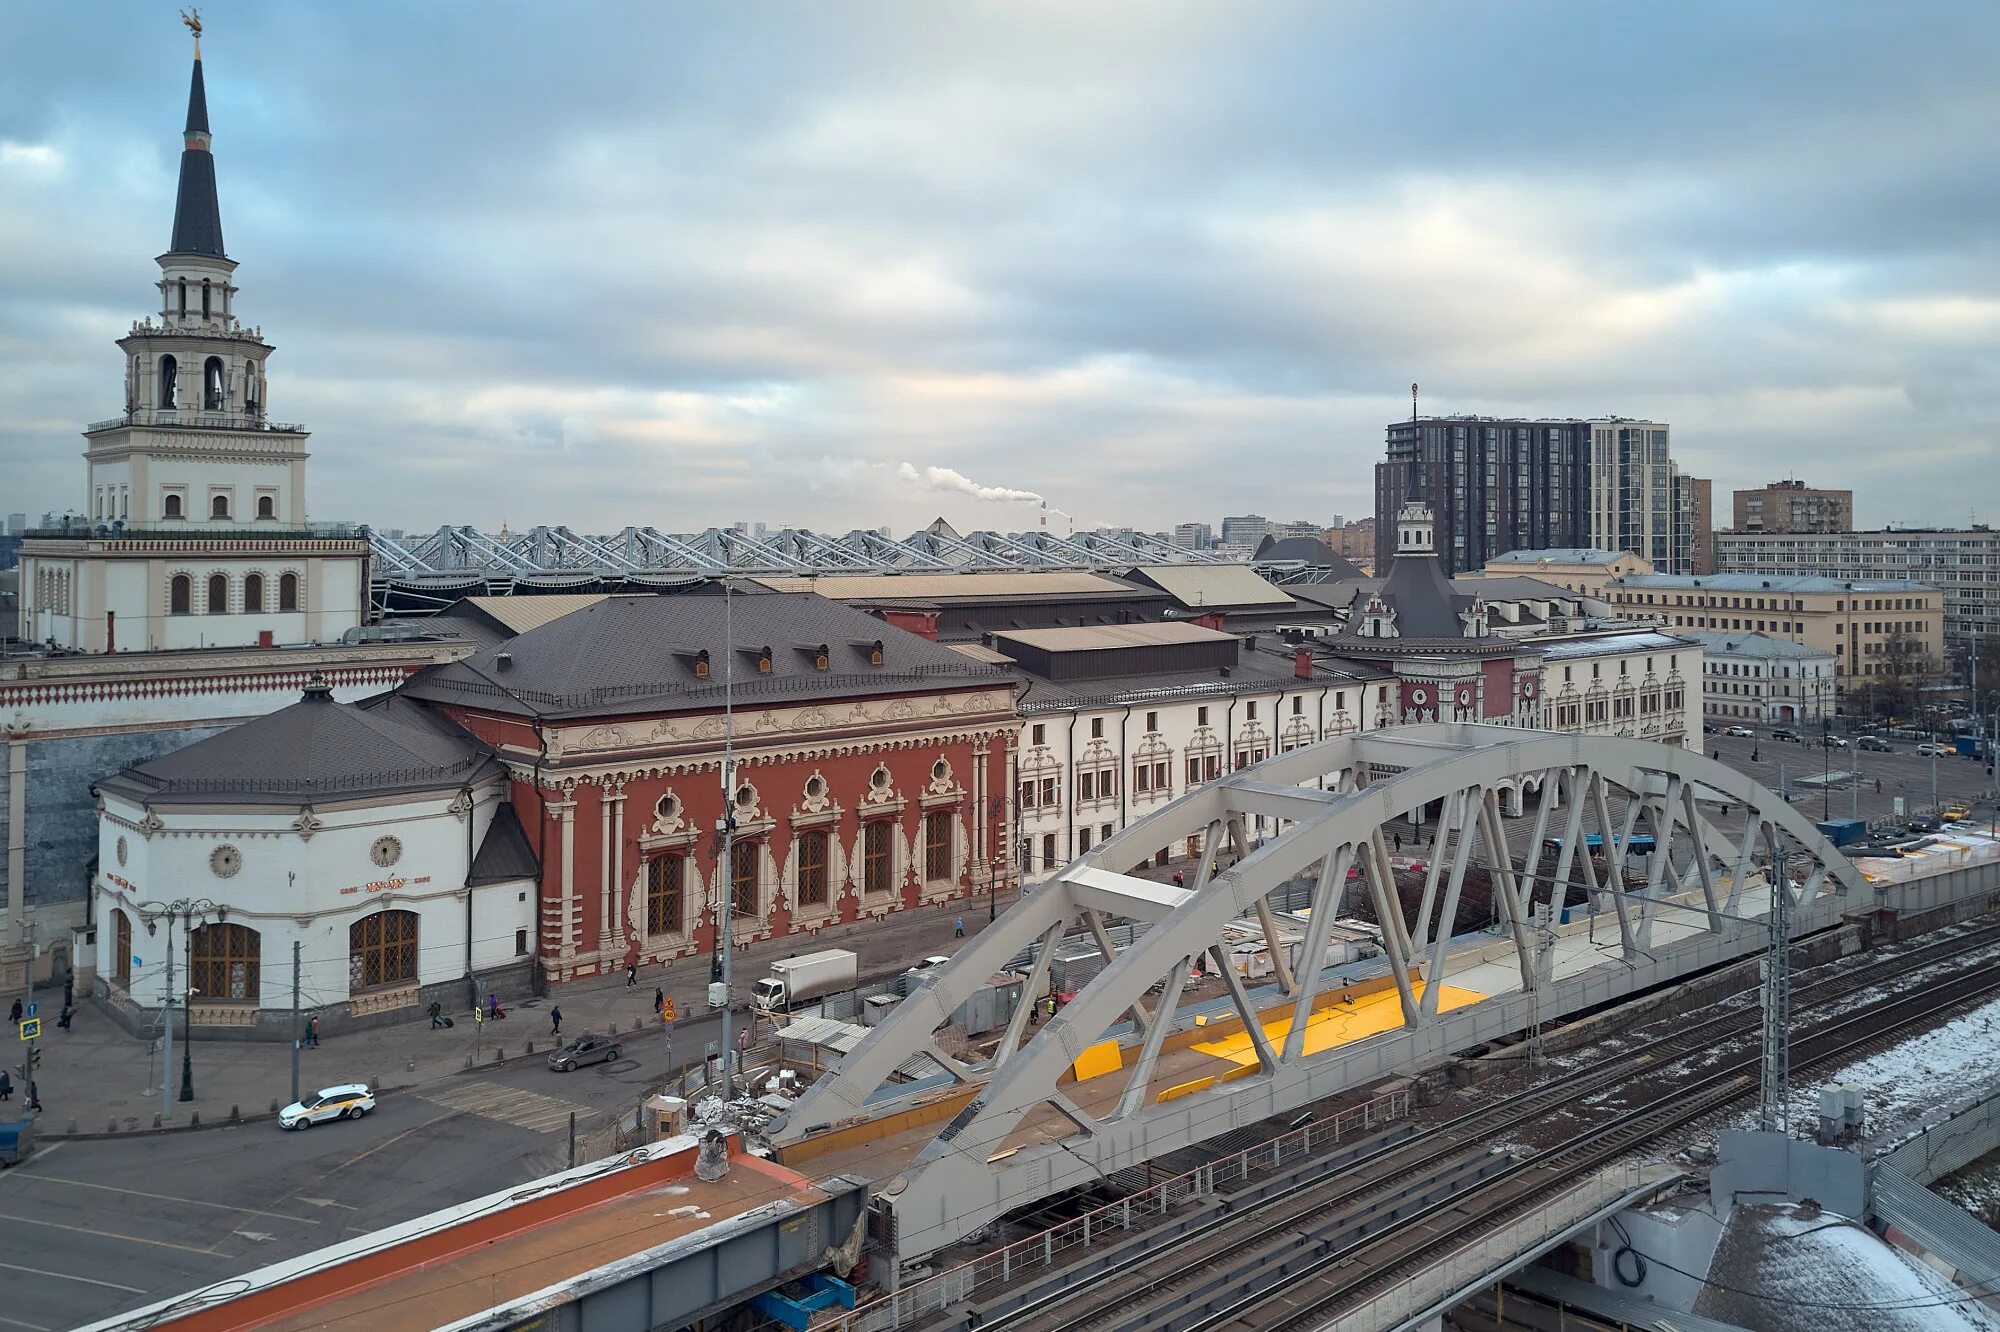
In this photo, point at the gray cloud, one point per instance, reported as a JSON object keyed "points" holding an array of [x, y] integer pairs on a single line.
{"points": [[637, 264]]}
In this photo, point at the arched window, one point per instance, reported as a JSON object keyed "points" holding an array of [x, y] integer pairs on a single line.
{"points": [[211, 384], [937, 847], [204, 298], [382, 950], [664, 910], [218, 506], [253, 593], [743, 878], [172, 507], [180, 595], [267, 506], [170, 371], [288, 592], [224, 962], [250, 387], [184, 298], [877, 859], [121, 965], [218, 594], [812, 868]]}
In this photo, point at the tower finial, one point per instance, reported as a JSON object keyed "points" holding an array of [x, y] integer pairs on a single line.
{"points": [[192, 17]]}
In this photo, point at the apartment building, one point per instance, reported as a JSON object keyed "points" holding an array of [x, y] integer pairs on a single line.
{"points": [[1793, 506], [1963, 564]]}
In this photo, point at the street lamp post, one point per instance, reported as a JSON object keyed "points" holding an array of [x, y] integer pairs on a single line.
{"points": [[995, 807], [186, 908]]}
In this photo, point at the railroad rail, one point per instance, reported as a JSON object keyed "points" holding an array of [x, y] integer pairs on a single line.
{"points": [[1390, 1188]]}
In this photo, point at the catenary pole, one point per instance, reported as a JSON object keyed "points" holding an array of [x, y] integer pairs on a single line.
{"points": [[725, 905], [296, 1037]]}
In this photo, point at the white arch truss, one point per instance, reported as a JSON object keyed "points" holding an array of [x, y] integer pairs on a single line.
{"points": [[1022, 1133]]}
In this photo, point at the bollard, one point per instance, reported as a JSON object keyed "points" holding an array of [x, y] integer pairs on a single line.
{"points": [[235, 1115], [410, 1064], [194, 1119], [614, 1029], [274, 1105], [156, 1121], [498, 1054], [72, 1128], [531, 1047], [112, 1127], [468, 1060]]}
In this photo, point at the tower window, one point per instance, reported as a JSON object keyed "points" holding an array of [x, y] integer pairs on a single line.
{"points": [[204, 298], [218, 595], [288, 592], [172, 507], [184, 298], [267, 507], [253, 593], [218, 506], [180, 595], [211, 385], [169, 382]]}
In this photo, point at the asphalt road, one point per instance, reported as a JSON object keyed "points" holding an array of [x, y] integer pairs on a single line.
{"points": [[90, 1228], [1901, 773]]}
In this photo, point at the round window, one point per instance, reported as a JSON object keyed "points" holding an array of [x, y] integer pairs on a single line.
{"points": [[816, 787], [121, 850], [940, 770], [667, 807], [225, 860], [386, 851]]}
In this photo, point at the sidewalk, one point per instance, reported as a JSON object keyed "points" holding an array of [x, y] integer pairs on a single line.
{"points": [[102, 1080]]}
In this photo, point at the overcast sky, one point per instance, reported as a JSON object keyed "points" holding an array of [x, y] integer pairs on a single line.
{"points": [[679, 265]]}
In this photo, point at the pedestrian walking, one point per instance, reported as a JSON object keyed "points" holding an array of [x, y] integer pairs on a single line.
{"points": [[437, 1015], [493, 1013], [958, 928], [659, 1000], [67, 1013], [1399, 844], [631, 974], [69, 991], [1177, 880], [6, 1086], [1878, 786], [15, 1016], [555, 1021], [312, 1031]]}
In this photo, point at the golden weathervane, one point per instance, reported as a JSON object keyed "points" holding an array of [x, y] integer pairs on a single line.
{"points": [[192, 17]]}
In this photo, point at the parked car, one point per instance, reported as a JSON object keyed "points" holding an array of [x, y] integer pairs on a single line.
{"points": [[1784, 733], [349, 1100], [924, 968], [584, 1050], [1833, 741], [1743, 732], [1929, 749], [1874, 742]]}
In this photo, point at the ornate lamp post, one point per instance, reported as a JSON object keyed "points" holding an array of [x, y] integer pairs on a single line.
{"points": [[187, 908]]}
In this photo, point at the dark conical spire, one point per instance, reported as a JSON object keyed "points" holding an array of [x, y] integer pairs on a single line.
{"points": [[197, 215]]}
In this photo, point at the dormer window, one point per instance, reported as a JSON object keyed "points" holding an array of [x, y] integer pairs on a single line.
{"points": [[764, 662], [701, 664], [822, 659], [875, 653]]}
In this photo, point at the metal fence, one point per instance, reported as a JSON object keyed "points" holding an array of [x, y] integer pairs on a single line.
{"points": [[1054, 1246]]}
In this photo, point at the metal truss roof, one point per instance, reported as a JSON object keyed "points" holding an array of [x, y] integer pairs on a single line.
{"points": [[558, 555]]}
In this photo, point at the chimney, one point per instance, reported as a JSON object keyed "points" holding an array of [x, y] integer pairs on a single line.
{"points": [[1302, 663], [503, 661]]}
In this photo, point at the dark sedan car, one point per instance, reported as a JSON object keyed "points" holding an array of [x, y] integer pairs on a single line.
{"points": [[583, 1050]]}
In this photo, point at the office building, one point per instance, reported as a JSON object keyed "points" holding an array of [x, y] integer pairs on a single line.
{"points": [[1793, 506], [1701, 492], [1194, 536], [1962, 564], [1757, 678], [1245, 530]]}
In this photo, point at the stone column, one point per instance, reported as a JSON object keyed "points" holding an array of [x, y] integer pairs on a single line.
{"points": [[565, 812], [604, 933]]}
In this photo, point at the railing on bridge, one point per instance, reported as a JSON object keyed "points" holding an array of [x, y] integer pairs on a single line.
{"points": [[1051, 1248]]}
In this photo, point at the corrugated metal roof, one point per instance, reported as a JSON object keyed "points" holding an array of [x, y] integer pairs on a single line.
{"points": [[521, 614], [1803, 583], [1563, 555], [1595, 645], [1198, 585], [1095, 638], [1947, 1230], [939, 586], [1718, 643]]}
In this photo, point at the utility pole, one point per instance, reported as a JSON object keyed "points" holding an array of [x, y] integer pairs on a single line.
{"points": [[725, 907], [29, 1061], [167, 1022], [1773, 1113], [295, 1021]]}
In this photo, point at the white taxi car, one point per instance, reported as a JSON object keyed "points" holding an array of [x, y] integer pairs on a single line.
{"points": [[349, 1100]]}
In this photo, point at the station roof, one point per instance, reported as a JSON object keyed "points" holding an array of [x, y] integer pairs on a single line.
{"points": [[946, 588], [1211, 586], [1103, 637], [1804, 584], [1563, 555]]}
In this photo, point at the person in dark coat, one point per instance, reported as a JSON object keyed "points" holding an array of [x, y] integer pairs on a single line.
{"points": [[6, 1085], [437, 1015], [659, 1001], [555, 1021], [631, 974], [15, 1016]]}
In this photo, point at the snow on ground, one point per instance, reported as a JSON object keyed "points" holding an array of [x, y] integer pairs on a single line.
{"points": [[1975, 1188], [1784, 1268], [1943, 1065]]}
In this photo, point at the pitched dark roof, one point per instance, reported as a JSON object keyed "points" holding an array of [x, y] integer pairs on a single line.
{"points": [[639, 654], [1312, 552], [197, 215], [315, 750], [1417, 590], [504, 853]]}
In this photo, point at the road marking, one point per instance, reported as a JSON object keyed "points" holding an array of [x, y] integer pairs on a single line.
{"points": [[168, 1197], [102, 1234], [15, 1322], [508, 1105], [257, 1235], [328, 1202], [64, 1276]]}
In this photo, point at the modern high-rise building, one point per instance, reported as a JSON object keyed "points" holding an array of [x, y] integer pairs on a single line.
{"points": [[1963, 565], [1793, 506], [1245, 529], [1502, 484], [1702, 493], [1194, 536]]}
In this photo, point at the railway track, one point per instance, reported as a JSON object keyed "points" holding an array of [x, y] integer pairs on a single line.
{"points": [[1382, 1183], [1317, 1293]]}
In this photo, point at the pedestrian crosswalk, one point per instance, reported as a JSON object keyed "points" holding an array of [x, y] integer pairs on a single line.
{"points": [[509, 1105]]}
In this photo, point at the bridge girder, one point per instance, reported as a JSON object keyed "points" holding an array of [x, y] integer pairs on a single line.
{"points": [[1329, 805]]}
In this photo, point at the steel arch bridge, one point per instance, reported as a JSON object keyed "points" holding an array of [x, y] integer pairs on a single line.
{"points": [[1025, 1126]]}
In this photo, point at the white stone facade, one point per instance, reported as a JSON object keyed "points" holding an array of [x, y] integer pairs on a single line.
{"points": [[308, 876], [1638, 683]]}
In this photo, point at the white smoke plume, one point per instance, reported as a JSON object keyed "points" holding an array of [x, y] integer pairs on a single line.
{"points": [[944, 478]]}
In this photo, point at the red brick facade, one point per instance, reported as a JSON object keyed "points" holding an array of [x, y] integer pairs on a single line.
{"points": [[624, 819]]}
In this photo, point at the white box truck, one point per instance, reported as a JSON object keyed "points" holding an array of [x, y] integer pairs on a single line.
{"points": [[801, 986]]}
